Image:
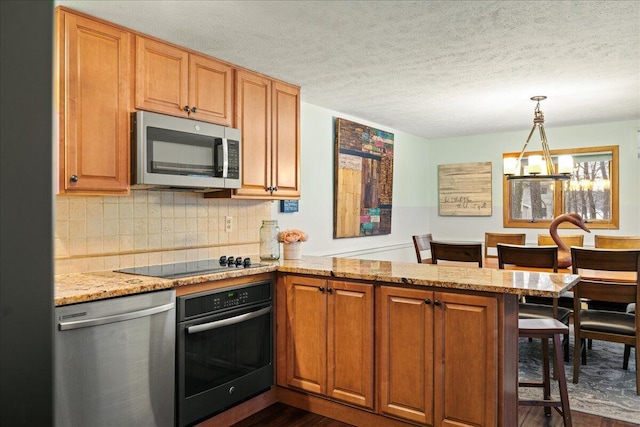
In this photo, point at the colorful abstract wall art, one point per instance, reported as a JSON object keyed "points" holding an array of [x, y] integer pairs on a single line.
{"points": [[363, 191]]}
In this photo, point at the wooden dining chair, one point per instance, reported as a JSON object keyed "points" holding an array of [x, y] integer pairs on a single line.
{"points": [[543, 258], [616, 242], [421, 242], [605, 325], [461, 252], [492, 239], [613, 242], [567, 239]]}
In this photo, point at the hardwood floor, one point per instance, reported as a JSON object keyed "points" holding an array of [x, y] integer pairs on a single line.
{"points": [[280, 415]]}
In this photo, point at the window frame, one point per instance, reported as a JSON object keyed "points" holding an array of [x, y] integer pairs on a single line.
{"points": [[559, 192]]}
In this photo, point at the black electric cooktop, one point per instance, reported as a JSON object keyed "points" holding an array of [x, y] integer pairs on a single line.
{"points": [[192, 268]]}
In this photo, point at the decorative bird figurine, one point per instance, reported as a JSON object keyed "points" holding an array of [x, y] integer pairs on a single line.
{"points": [[564, 253]]}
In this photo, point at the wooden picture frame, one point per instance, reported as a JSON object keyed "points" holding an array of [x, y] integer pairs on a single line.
{"points": [[464, 189]]}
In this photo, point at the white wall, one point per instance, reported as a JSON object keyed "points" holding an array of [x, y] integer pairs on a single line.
{"points": [[315, 215], [483, 148], [415, 194]]}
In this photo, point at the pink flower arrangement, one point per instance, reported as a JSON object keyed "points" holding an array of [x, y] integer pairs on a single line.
{"points": [[290, 236]]}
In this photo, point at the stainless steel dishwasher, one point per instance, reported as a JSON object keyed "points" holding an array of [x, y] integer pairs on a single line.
{"points": [[115, 362]]}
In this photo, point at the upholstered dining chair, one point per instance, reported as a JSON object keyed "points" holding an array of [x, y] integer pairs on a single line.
{"points": [[462, 252], [539, 257], [421, 242], [492, 239], [567, 239], [605, 325]]}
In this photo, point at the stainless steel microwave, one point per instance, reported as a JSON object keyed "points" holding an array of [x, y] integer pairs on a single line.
{"points": [[174, 152]]}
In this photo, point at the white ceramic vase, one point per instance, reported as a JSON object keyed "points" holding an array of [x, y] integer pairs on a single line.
{"points": [[292, 250]]}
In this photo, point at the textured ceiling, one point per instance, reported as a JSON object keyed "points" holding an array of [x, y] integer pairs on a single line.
{"points": [[431, 68]]}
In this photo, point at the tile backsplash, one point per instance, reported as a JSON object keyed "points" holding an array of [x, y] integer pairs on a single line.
{"points": [[151, 227]]}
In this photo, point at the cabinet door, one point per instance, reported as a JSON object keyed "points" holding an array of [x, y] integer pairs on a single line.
{"points": [[405, 353], [253, 117], [162, 79], [285, 173], [306, 331], [94, 93], [466, 355], [210, 90], [350, 342]]}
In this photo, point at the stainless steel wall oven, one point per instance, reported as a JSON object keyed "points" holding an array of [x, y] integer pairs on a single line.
{"points": [[224, 349]]}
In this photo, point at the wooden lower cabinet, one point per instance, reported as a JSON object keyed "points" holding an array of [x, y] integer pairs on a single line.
{"points": [[437, 354], [444, 359], [325, 338], [405, 353]]}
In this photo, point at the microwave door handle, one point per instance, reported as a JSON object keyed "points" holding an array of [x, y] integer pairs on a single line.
{"points": [[225, 157], [227, 322]]}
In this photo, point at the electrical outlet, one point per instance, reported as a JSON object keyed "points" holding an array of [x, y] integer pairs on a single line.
{"points": [[228, 224]]}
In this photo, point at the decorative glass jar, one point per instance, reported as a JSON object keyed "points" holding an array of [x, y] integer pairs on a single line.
{"points": [[269, 244]]}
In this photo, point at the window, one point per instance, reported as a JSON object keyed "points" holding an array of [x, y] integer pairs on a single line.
{"points": [[592, 192]]}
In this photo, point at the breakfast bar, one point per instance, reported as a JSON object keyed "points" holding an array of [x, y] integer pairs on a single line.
{"points": [[371, 342]]}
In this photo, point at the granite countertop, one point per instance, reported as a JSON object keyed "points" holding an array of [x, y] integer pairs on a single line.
{"points": [[83, 287]]}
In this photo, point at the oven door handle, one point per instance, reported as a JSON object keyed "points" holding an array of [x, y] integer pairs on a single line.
{"points": [[226, 322]]}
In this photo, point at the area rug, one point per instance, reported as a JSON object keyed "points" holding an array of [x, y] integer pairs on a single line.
{"points": [[603, 389]]}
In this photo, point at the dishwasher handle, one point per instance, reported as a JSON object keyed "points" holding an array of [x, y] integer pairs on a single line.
{"points": [[65, 326], [226, 322]]}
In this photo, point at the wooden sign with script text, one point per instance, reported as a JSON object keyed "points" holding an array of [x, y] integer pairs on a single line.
{"points": [[464, 189]]}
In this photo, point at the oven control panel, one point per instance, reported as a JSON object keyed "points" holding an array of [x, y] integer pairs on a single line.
{"points": [[231, 299], [210, 302]]}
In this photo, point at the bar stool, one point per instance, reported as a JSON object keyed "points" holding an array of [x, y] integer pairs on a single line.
{"points": [[545, 329]]}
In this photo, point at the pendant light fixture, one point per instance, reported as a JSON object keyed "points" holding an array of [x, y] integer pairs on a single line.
{"points": [[538, 167]]}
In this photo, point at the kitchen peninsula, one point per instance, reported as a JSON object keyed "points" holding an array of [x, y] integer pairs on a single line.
{"points": [[376, 341]]}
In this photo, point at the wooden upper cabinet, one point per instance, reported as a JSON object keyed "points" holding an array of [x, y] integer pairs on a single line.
{"points": [[286, 140], [268, 114], [93, 91], [162, 77], [174, 81], [211, 90], [253, 118]]}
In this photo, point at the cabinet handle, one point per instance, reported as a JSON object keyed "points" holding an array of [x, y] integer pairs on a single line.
{"points": [[186, 108], [267, 189], [274, 188], [321, 289], [427, 301], [73, 178], [194, 110], [436, 302]]}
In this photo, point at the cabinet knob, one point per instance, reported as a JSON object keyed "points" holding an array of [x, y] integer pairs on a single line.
{"points": [[427, 301], [274, 188], [330, 290], [186, 108], [321, 289], [267, 189], [436, 302], [73, 178], [194, 110]]}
